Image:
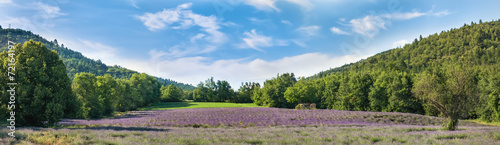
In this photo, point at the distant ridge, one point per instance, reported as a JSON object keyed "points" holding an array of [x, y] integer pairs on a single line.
{"points": [[75, 62]]}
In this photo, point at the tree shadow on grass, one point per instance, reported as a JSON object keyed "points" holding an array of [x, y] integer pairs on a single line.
{"points": [[119, 128]]}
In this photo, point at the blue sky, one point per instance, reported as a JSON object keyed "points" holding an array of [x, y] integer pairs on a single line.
{"points": [[238, 40]]}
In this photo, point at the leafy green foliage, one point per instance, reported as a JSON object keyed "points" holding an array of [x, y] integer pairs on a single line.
{"points": [[85, 89], [75, 62], [302, 92], [43, 94], [452, 91], [246, 92], [106, 89], [147, 86], [171, 94], [272, 94], [385, 82], [210, 91]]}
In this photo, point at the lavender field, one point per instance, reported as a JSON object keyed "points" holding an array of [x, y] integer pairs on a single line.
{"points": [[258, 126], [250, 117]]}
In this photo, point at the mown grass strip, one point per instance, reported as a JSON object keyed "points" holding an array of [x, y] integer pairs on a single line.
{"points": [[185, 105]]}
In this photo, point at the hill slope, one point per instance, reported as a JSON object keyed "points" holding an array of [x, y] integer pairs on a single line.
{"points": [[387, 81], [476, 45], [75, 62]]}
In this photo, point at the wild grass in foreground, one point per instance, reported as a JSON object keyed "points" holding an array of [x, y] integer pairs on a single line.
{"points": [[189, 104], [397, 134]]}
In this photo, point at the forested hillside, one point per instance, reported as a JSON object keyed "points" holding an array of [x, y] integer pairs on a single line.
{"points": [[75, 62], [398, 80]]}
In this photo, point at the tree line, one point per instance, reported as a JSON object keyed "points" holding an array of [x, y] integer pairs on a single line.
{"points": [[453, 74], [45, 93], [74, 61]]}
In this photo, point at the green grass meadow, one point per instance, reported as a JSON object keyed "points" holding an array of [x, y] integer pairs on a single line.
{"points": [[190, 104]]}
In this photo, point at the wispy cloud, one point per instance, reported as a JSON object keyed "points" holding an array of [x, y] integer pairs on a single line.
{"points": [[133, 3], [442, 13], [264, 5], [400, 43], [256, 41], [305, 4], [371, 24], [270, 5], [403, 16], [368, 25], [5, 1], [286, 22], [300, 43], [338, 31], [184, 19], [195, 69], [309, 30], [181, 18], [258, 21], [48, 10], [97, 50]]}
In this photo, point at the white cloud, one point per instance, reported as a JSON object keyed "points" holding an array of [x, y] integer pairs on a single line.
{"points": [[48, 10], [270, 5], [254, 40], [368, 26], [403, 16], [195, 69], [338, 31], [100, 51], [305, 4], [309, 30], [300, 43], [133, 3], [257, 21], [157, 21], [19, 22], [400, 43], [183, 18], [264, 5], [442, 13], [5, 1], [371, 24], [286, 22]]}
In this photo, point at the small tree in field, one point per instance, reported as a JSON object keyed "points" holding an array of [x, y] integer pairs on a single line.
{"points": [[452, 91]]}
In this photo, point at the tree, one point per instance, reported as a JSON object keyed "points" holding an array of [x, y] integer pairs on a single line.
{"points": [[378, 96], [171, 94], [201, 93], [85, 89], [401, 98], [106, 89], [353, 92], [490, 95], [129, 98], [147, 86], [223, 91], [452, 91], [43, 94], [56, 43], [329, 96], [272, 94], [246, 92], [302, 92]]}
